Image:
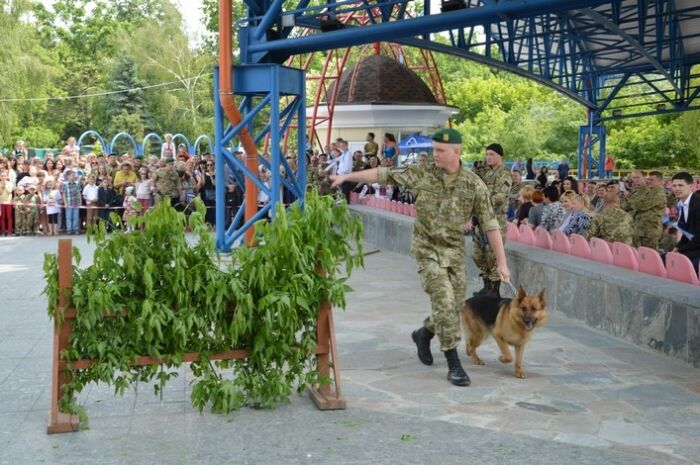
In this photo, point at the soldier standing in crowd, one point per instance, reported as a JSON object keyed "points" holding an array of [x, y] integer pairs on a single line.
{"points": [[371, 147], [447, 195], [646, 204], [612, 224], [167, 183], [498, 180]]}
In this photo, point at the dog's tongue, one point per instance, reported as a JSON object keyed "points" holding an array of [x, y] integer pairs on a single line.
{"points": [[529, 325]]}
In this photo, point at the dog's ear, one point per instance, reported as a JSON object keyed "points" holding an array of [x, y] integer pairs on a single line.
{"points": [[521, 292], [542, 297]]}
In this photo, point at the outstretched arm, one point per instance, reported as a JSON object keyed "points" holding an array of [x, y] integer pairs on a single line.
{"points": [[364, 176]]}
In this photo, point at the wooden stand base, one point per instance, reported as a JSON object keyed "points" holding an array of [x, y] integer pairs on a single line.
{"points": [[64, 423], [326, 400]]}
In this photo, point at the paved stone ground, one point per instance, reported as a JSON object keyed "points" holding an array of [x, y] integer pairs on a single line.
{"points": [[589, 398]]}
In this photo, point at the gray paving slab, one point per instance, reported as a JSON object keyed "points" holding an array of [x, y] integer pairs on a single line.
{"points": [[589, 398]]}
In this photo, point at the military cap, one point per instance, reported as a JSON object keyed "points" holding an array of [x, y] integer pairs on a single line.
{"points": [[448, 136], [496, 148], [612, 182], [169, 160]]}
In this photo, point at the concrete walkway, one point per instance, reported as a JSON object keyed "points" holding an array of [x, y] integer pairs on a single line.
{"points": [[589, 398]]}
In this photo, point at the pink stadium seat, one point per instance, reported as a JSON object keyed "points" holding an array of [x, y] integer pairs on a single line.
{"points": [[561, 242], [624, 256], [405, 209], [680, 268], [650, 262], [413, 210], [542, 238], [512, 233], [579, 246], [600, 251], [527, 236]]}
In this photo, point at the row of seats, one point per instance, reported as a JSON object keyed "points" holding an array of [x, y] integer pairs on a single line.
{"points": [[643, 259], [384, 204]]}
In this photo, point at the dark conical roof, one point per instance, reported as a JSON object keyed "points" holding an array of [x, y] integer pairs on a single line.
{"points": [[380, 79]]}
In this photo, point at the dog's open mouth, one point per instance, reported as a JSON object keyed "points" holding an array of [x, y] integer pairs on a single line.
{"points": [[529, 324]]}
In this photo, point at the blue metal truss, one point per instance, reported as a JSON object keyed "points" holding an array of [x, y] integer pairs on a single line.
{"points": [[262, 86], [600, 53]]}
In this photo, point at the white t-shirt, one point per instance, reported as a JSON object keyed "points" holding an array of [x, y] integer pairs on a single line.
{"points": [[143, 189], [53, 200], [167, 150], [90, 193]]}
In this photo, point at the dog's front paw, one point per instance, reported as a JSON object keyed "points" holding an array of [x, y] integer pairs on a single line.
{"points": [[520, 373], [504, 359], [477, 361]]}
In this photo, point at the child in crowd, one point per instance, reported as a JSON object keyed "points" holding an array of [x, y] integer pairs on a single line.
{"points": [[90, 196], [144, 189], [6, 211], [52, 200], [106, 197], [71, 200], [28, 211], [19, 210], [131, 207]]}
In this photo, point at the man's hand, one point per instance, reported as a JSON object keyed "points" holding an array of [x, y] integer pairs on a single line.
{"points": [[504, 272], [337, 179]]}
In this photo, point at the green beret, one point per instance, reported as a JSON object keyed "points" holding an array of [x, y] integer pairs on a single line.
{"points": [[170, 160], [448, 136], [138, 157]]}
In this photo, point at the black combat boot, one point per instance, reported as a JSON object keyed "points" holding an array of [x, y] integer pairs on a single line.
{"points": [[456, 374], [422, 338]]}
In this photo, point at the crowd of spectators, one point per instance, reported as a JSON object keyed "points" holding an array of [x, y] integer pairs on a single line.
{"points": [[69, 191], [637, 210]]}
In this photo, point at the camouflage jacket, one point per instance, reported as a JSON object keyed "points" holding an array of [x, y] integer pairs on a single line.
{"points": [[612, 224], [442, 211], [167, 182], [646, 206], [499, 182]]}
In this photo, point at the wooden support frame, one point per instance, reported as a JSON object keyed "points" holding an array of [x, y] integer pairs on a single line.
{"points": [[326, 395]]}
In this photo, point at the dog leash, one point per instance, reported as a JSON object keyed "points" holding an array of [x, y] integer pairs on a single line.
{"points": [[512, 288]]}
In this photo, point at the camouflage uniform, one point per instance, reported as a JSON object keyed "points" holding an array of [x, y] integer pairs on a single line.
{"points": [[323, 181], [646, 205], [167, 184], [442, 209], [499, 182], [28, 214], [612, 224]]}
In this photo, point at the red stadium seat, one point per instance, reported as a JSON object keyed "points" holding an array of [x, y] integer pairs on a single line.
{"points": [[680, 268], [527, 236], [561, 242], [579, 246], [624, 256], [512, 233], [650, 262], [600, 251], [542, 238]]}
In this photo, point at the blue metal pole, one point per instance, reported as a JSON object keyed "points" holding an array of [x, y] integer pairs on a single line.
{"points": [[601, 156], [274, 138], [219, 164], [268, 19], [301, 143]]}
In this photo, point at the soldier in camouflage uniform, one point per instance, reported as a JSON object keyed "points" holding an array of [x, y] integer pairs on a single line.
{"points": [[167, 183], [612, 224], [20, 210], [448, 195], [646, 205], [498, 181]]}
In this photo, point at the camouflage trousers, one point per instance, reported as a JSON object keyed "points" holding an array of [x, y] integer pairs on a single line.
{"points": [[27, 220], [483, 255], [647, 239], [446, 287]]}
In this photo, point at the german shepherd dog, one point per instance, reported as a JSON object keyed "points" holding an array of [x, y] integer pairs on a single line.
{"points": [[509, 321]]}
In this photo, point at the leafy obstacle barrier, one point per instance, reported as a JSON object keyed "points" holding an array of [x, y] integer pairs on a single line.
{"points": [[252, 332]]}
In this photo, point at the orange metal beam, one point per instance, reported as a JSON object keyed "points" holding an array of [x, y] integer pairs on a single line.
{"points": [[231, 110]]}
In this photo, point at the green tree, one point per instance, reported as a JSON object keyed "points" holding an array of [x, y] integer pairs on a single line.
{"points": [[122, 77]]}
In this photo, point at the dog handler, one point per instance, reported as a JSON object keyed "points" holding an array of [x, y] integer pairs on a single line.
{"points": [[448, 194]]}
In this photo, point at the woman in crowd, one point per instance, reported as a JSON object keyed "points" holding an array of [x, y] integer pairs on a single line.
{"points": [[534, 216], [530, 172], [167, 150], [553, 212], [49, 165], [542, 177], [525, 201], [390, 150], [569, 184], [577, 219]]}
